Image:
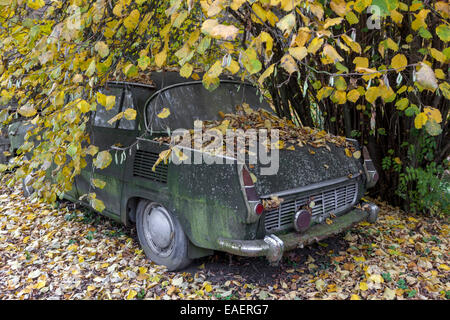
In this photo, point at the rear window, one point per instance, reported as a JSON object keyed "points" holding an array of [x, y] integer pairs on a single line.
{"points": [[191, 102]]}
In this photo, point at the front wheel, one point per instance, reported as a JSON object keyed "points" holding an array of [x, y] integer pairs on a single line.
{"points": [[161, 236]]}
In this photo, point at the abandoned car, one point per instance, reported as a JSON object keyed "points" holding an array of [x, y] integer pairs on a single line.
{"points": [[186, 211]]}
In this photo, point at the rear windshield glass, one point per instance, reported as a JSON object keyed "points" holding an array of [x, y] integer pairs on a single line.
{"points": [[191, 102]]}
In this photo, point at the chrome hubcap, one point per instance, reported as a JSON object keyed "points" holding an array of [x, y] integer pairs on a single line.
{"points": [[159, 230]]}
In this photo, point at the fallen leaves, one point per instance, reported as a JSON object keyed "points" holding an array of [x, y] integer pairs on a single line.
{"points": [[62, 253]]}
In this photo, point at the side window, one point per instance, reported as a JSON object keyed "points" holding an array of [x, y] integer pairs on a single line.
{"points": [[102, 116], [127, 104]]}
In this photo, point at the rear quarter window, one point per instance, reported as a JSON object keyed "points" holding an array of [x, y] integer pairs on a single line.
{"points": [[102, 116]]}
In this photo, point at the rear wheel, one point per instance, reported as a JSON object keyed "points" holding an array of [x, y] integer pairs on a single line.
{"points": [[161, 236]]}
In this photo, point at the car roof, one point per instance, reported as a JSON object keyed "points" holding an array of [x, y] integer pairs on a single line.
{"points": [[161, 79]]}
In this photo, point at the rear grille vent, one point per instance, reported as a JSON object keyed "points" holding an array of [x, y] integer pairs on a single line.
{"points": [[143, 163], [333, 199]]}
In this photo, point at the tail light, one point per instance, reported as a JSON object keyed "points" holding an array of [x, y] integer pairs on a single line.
{"points": [[259, 209], [255, 205], [369, 168]]}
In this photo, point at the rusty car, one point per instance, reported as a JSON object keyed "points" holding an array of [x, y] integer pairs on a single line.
{"points": [[184, 211]]}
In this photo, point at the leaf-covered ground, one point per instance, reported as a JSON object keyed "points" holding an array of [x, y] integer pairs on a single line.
{"points": [[66, 253]]}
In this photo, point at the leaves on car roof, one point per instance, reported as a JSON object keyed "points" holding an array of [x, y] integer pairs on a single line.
{"points": [[245, 118]]}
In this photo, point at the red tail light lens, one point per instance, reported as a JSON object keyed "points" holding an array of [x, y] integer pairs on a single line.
{"points": [[259, 209]]}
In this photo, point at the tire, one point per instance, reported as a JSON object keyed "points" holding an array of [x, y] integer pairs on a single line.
{"points": [[161, 236]]}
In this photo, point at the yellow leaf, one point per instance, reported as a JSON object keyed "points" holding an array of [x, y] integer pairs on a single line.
{"points": [[298, 52], [35, 4], [339, 6], [40, 284], [361, 62], [348, 153], [353, 95], [352, 44], [399, 62], [102, 49], [420, 19], [59, 99], [444, 267], [118, 10], [186, 70], [376, 278], [289, 64], [433, 113], [439, 74], [106, 101], [219, 31], [315, 44], [331, 22], [130, 114], [372, 94], [324, 92], [420, 120], [266, 73], [438, 55], [165, 112], [163, 156], [233, 67], [98, 183], [160, 58], [27, 110], [363, 286], [355, 297], [287, 23], [260, 12], [132, 20], [208, 288], [131, 294], [339, 96], [332, 53], [397, 17], [92, 150], [215, 70], [84, 106], [303, 36], [236, 4]]}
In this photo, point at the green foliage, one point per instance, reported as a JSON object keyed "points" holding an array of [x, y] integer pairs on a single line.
{"points": [[426, 190]]}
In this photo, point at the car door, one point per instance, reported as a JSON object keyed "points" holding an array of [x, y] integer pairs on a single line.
{"points": [[113, 137]]}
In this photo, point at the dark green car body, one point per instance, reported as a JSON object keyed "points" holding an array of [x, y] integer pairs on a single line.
{"points": [[209, 200]]}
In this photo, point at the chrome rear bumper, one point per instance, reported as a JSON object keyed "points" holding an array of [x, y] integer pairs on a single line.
{"points": [[273, 246]]}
